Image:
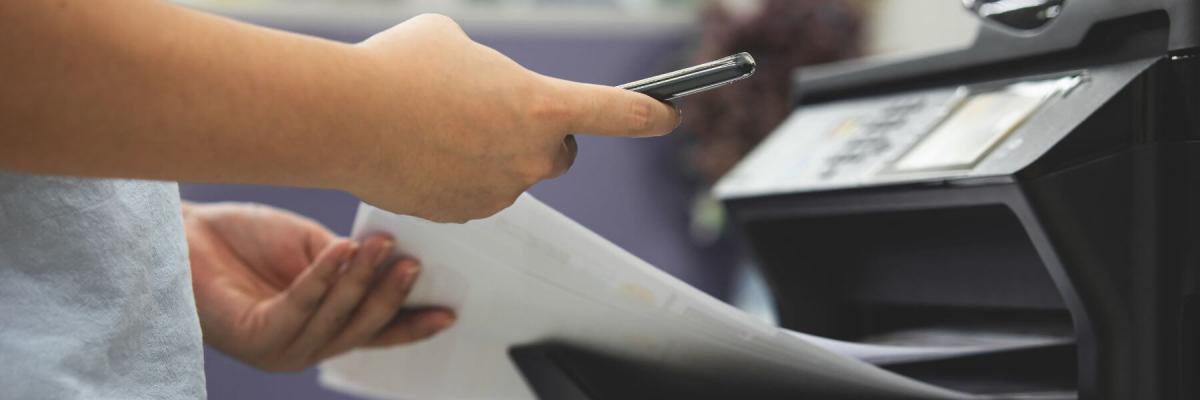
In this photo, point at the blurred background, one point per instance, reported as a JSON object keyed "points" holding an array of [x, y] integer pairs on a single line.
{"points": [[650, 196]]}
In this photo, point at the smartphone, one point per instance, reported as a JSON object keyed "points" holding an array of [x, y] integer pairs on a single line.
{"points": [[710, 75]]}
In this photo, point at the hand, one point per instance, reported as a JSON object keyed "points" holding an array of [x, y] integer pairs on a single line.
{"points": [[487, 129], [281, 293]]}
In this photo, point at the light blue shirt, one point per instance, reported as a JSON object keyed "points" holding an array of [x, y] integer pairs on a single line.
{"points": [[95, 293]]}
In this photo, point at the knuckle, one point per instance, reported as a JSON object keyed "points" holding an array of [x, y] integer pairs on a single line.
{"points": [[439, 21], [550, 109], [641, 117], [435, 19]]}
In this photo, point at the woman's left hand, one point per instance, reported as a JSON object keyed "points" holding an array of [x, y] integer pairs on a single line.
{"points": [[281, 292]]}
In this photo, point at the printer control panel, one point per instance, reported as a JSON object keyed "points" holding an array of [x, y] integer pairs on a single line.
{"points": [[926, 135], [873, 138]]}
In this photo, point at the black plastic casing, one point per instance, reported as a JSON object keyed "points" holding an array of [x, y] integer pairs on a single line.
{"points": [[1102, 230]]}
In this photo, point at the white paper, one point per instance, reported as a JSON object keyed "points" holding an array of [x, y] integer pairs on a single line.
{"points": [[529, 274], [881, 354]]}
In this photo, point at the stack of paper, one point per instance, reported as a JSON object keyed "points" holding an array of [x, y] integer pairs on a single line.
{"points": [[530, 274]]}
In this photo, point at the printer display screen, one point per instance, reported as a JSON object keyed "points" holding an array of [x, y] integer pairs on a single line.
{"points": [[978, 123]]}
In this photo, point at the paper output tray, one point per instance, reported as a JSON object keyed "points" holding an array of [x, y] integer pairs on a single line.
{"points": [[562, 371]]}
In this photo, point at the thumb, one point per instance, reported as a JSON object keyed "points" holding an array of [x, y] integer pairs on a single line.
{"points": [[610, 111]]}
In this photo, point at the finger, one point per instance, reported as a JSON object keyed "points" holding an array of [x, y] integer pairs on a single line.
{"points": [[337, 306], [606, 110], [317, 237], [296, 304], [414, 325], [380, 307], [565, 157]]}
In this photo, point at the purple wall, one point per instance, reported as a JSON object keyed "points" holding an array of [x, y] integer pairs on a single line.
{"points": [[628, 191]]}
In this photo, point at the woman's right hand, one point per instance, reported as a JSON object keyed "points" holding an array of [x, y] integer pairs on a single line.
{"points": [[475, 129]]}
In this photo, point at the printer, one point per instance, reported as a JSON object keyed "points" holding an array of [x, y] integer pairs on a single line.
{"points": [[1044, 180]]}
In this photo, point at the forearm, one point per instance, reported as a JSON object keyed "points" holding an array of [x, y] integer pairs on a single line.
{"points": [[418, 119], [145, 89]]}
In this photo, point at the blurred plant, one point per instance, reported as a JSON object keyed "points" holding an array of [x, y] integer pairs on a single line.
{"points": [[723, 125], [726, 124]]}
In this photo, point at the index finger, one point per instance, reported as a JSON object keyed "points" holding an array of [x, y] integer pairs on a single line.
{"points": [[610, 111]]}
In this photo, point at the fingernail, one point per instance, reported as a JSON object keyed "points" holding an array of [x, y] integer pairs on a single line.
{"points": [[408, 272], [436, 322], [384, 250]]}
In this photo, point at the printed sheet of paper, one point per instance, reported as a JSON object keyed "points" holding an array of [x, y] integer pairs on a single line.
{"points": [[530, 274]]}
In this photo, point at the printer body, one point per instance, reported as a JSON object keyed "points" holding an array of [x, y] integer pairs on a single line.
{"points": [[1044, 181]]}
